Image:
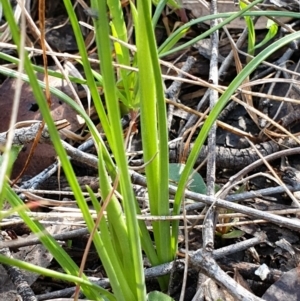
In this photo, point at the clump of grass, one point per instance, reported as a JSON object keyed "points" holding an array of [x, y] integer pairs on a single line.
{"points": [[120, 239]]}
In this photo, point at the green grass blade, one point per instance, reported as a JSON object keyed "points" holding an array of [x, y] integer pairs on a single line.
{"points": [[43, 107], [54, 137], [163, 148], [88, 70], [154, 129], [251, 31], [50, 243], [249, 68], [53, 274], [158, 10], [118, 149], [118, 234], [122, 53], [229, 17]]}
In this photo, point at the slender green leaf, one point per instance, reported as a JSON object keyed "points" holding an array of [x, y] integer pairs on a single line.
{"points": [[154, 130], [118, 26], [214, 115], [53, 274], [251, 31], [273, 28], [87, 69], [117, 146], [157, 14], [229, 16], [48, 241]]}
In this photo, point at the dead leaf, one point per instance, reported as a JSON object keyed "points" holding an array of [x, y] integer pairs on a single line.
{"points": [[28, 110], [286, 288], [212, 292], [240, 280]]}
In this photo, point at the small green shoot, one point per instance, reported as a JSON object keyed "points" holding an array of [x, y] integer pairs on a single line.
{"points": [[272, 26], [234, 233]]}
